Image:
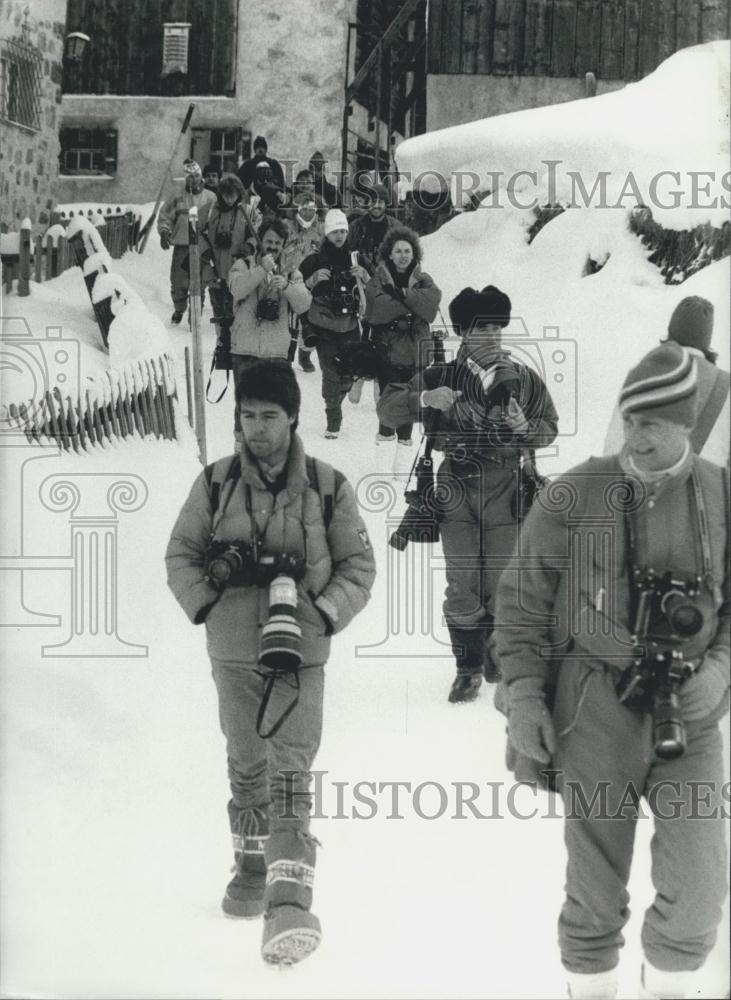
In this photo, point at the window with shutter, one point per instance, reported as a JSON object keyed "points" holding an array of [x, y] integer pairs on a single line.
{"points": [[88, 151]]}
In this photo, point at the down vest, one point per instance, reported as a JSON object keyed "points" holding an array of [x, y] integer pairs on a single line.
{"points": [[340, 567]]}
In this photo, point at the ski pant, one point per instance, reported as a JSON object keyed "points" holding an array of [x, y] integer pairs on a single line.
{"points": [[273, 774], [334, 386], [403, 431], [604, 750], [478, 532], [180, 278]]}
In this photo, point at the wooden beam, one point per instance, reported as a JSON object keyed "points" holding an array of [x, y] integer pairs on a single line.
{"points": [[386, 41]]}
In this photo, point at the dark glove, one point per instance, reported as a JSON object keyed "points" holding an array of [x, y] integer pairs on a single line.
{"points": [[165, 239], [530, 729]]}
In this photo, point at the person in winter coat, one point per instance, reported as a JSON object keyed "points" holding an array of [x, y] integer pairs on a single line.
{"points": [[486, 412], [305, 237], [263, 292], [226, 235], [369, 230], [572, 639], [691, 326], [332, 320], [296, 519], [323, 188], [263, 175], [401, 302], [172, 226]]}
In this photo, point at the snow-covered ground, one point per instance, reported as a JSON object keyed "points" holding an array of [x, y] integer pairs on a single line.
{"points": [[114, 846]]}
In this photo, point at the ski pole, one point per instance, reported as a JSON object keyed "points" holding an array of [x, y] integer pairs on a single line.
{"points": [[147, 228]]}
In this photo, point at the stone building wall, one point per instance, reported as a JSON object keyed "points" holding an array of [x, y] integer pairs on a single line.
{"points": [[289, 87], [29, 157]]}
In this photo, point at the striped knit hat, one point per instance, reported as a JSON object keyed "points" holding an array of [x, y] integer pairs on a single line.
{"points": [[665, 383]]}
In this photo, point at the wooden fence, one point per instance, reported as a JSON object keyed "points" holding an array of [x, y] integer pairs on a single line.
{"points": [[48, 255], [140, 401], [614, 39]]}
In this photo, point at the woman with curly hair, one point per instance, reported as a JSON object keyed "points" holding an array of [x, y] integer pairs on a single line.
{"points": [[401, 302]]}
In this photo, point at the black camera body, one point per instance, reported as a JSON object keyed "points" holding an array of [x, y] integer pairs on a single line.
{"points": [[420, 522], [223, 239], [237, 564], [267, 309], [668, 616], [341, 295]]}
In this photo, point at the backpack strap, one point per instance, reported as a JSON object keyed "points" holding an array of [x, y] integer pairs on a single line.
{"points": [[326, 481], [217, 473]]}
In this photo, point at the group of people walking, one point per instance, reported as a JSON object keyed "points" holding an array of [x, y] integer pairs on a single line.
{"points": [[609, 652]]}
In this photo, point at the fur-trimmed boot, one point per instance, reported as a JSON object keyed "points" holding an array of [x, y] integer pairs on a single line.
{"points": [[291, 932], [592, 985], [244, 896]]}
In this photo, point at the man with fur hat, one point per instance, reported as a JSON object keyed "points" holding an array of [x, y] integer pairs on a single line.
{"points": [[613, 639], [691, 326], [332, 320], [295, 523], [485, 411], [172, 226]]}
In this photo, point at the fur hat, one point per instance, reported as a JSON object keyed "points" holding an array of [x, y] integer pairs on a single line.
{"points": [[469, 307], [691, 324], [664, 384], [231, 185], [335, 219]]}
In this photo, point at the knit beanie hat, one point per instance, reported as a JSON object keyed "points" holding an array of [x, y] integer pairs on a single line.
{"points": [[191, 168], [692, 323], [335, 219], [260, 141], [664, 384], [488, 306]]}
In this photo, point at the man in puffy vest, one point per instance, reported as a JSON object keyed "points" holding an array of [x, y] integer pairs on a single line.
{"points": [[613, 629], [172, 226], [270, 552]]}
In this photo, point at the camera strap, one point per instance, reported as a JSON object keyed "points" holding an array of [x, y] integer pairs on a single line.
{"points": [[271, 677], [701, 518]]}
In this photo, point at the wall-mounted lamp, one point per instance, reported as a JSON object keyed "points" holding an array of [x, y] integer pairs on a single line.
{"points": [[75, 46]]}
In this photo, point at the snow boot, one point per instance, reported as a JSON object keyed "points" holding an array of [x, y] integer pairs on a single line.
{"points": [[658, 985], [176, 317], [291, 932], [385, 438], [592, 985], [465, 687], [468, 646], [356, 390], [244, 896], [304, 360]]}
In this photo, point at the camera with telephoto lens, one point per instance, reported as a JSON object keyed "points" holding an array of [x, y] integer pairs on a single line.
{"points": [[669, 615], [237, 564], [267, 309], [419, 523], [281, 636], [223, 240]]}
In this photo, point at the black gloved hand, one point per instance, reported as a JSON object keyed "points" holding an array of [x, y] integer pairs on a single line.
{"points": [[395, 293], [165, 239]]}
